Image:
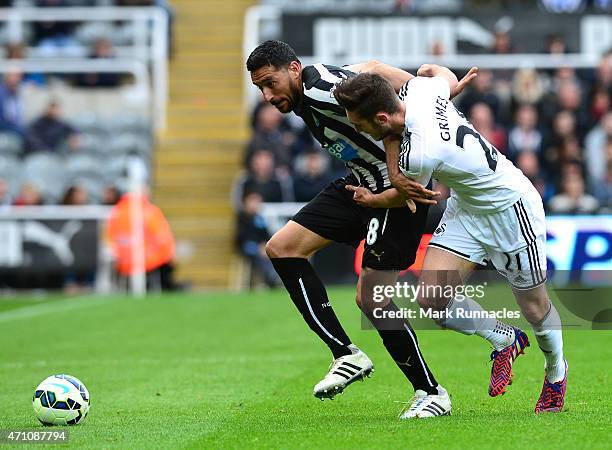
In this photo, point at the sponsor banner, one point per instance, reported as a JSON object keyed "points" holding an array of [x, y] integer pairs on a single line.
{"points": [[361, 36], [48, 246]]}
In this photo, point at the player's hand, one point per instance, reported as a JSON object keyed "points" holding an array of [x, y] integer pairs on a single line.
{"points": [[411, 206], [362, 196], [414, 191], [463, 82]]}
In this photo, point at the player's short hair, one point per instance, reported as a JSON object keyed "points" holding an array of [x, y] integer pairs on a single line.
{"points": [[277, 54], [366, 94]]}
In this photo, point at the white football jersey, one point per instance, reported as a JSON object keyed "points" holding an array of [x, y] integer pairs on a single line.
{"points": [[439, 142]]}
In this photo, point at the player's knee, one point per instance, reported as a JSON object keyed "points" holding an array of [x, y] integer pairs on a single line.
{"points": [[534, 304], [278, 248], [535, 311], [271, 249]]}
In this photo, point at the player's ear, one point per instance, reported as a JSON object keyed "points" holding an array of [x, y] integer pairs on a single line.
{"points": [[294, 69], [381, 118]]}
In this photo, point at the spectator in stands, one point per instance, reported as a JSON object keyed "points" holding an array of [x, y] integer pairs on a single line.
{"points": [[483, 120], [556, 45], [480, 91], [437, 49], [110, 195], [603, 72], [524, 136], [55, 38], [596, 143], [528, 86], [29, 195], [528, 162], [252, 235], [599, 104], [50, 132], [18, 51], [262, 179], [563, 127], [270, 132], [102, 49], [75, 195], [77, 282], [568, 97], [603, 190], [502, 43], [573, 198], [11, 104], [312, 175]]}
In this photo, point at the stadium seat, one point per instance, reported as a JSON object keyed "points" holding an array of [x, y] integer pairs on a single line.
{"points": [[10, 171], [131, 124], [10, 144], [88, 33], [129, 143], [84, 165], [93, 143], [46, 171]]}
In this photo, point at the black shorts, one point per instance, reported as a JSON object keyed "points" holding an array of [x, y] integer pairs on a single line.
{"points": [[392, 235]]}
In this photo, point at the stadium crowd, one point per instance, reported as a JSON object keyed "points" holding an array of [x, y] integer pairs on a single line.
{"points": [[50, 139]]}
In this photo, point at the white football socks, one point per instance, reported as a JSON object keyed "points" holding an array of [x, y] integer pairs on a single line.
{"points": [[550, 339], [468, 317]]}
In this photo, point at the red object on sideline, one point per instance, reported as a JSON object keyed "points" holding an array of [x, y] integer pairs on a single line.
{"points": [[158, 238]]}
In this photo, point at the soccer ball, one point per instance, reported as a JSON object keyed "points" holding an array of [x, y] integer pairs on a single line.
{"points": [[61, 400]]}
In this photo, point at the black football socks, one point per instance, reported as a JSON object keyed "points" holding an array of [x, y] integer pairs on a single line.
{"points": [[401, 342], [310, 298]]}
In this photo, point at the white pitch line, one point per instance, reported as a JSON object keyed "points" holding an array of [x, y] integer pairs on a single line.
{"points": [[52, 307]]}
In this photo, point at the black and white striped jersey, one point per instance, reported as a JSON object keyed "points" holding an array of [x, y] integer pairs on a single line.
{"points": [[329, 125]]}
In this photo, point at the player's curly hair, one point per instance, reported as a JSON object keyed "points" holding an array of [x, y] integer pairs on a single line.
{"points": [[277, 54], [366, 94]]}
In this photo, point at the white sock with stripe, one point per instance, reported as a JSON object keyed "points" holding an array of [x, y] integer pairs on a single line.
{"points": [[550, 339], [468, 317]]}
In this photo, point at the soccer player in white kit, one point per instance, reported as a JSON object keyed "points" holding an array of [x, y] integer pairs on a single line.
{"points": [[494, 213]]}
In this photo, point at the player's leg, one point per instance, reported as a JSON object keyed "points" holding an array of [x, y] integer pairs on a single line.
{"points": [[392, 241], [465, 315], [451, 256], [526, 273], [289, 250], [541, 313], [331, 216]]}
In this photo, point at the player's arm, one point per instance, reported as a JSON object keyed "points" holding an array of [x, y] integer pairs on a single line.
{"points": [[397, 77], [406, 186], [456, 86], [391, 198]]}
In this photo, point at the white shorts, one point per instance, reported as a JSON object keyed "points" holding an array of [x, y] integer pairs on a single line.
{"points": [[514, 240]]}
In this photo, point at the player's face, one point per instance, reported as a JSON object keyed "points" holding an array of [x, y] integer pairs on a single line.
{"points": [[378, 127], [280, 87]]}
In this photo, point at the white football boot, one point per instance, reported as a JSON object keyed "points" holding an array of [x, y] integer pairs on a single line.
{"points": [[424, 405], [342, 372]]}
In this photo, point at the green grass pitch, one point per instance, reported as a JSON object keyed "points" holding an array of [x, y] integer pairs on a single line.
{"points": [[237, 371]]}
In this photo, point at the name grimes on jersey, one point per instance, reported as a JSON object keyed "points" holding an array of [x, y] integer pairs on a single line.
{"points": [[441, 119]]}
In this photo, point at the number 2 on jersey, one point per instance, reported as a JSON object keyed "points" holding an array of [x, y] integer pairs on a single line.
{"points": [[490, 153]]}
